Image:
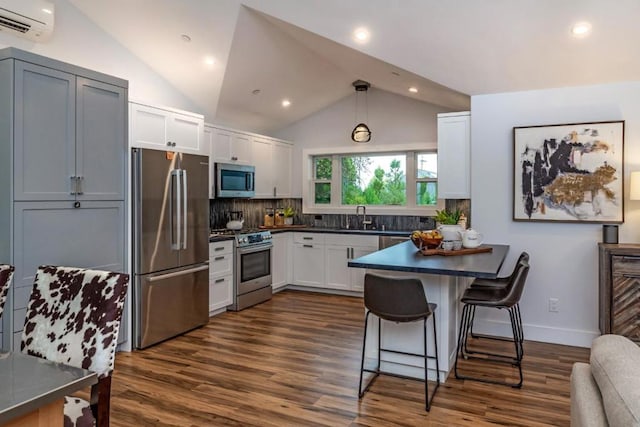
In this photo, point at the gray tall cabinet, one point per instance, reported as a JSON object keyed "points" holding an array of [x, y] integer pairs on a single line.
{"points": [[63, 160]]}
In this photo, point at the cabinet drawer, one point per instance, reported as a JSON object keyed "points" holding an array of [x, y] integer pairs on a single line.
{"points": [[351, 240], [625, 265], [220, 265], [220, 248], [309, 238], [220, 292]]}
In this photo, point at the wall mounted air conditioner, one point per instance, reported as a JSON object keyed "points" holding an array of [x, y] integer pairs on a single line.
{"points": [[31, 19]]}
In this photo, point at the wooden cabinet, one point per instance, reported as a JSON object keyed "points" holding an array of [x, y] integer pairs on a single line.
{"points": [[221, 262], [454, 155], [163, 128], [619, 290], [281, 260], [79, 119], [63, 152]]}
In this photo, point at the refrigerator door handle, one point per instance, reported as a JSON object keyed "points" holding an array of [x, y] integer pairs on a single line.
{"points": [[178, 273], [184, 209], [177, 209]]}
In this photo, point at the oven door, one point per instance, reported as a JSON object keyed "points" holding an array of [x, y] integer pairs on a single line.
{"points": [[253, 268]]}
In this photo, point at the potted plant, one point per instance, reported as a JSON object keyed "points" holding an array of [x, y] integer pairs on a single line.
{"points": [[447, 224], [288, 215], [444, 217]]}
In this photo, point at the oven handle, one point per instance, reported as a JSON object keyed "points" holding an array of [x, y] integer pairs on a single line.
{"points": [[257, 248]]}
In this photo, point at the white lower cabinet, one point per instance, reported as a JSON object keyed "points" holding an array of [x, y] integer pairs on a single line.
{"points": [[321, 260], [220, 275], [281, 260], [308, 259]]}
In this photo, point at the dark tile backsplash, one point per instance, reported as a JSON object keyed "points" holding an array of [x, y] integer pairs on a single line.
{"points": [[254, 210]]}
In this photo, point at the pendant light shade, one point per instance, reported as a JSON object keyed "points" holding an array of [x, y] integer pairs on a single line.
{"points": [[361, 133]]}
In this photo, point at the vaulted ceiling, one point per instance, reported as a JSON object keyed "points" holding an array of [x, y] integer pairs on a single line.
{"points": [[304, 50]]}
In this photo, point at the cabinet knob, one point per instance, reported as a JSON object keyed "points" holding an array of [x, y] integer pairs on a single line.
{"points": [[76, 205], [234, 158], [168, 143]]}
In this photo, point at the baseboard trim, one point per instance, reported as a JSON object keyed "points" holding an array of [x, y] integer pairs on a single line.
{"points": [[548, 334]]}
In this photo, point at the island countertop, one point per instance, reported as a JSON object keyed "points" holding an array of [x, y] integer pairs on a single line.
{"points": [[405, 257]]}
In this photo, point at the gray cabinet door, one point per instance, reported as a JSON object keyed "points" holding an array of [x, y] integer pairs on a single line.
{"points": [[56, 233], [44, 133], [100, 140]]}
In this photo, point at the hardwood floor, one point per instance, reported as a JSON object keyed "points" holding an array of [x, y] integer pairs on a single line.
{"points": [[294, 361]]}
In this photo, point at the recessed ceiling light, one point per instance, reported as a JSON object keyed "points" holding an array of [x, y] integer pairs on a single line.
{"points": [[361, 35], [581, 29], [286, 103], [47, 11], [413, 89], [209, 60], [185, 38]]}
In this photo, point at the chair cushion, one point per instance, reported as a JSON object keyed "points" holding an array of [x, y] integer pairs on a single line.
{"points": [[614, 365], [77, 413]]}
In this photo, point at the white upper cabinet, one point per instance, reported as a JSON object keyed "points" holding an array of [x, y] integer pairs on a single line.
{"points": [[230, 147], [271, 157], [454, 155], [163, 128], [273, 171]]}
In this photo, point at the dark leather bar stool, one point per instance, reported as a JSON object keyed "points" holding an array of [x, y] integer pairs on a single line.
{"points": [[6, 274], [499, 282], [398, 300], [507, 298]]}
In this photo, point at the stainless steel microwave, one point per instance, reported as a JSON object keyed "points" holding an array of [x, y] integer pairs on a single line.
{"points": [[235, 180]]}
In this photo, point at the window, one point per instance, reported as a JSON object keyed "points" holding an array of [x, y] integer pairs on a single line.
{"points": [[400, 182], [426, 179], [322, 180], [374, 179]]}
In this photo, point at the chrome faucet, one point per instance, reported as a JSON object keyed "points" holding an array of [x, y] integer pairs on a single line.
{"points": [[365, 221]]}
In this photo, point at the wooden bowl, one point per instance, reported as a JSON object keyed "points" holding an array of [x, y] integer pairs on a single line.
{"points": [[432, 243]]}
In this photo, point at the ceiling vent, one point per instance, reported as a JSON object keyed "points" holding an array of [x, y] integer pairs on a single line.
{"points": [[30, 19]]}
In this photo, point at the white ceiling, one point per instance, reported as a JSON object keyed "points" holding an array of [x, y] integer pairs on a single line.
{"points": [[304, 51]]}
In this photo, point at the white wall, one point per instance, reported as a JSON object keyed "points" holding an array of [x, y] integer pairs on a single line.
{"points": [[393, 119], [77, 40], [564, 257]]}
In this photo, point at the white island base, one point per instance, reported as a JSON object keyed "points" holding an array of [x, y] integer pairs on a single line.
{"points": [[445, 291]]}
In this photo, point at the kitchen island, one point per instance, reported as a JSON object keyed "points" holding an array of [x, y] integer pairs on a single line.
{"points": [[444, 279]]}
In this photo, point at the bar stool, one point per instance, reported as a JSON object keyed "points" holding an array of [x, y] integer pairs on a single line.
{"points": [[499, 282], [6, 274], [508, 298], [398, 300], [73, 318]]}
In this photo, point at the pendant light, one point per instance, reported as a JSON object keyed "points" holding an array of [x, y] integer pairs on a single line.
{"points": [[361, 132]]}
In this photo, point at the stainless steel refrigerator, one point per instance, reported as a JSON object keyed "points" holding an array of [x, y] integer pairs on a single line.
{"points": [[170, 244]]}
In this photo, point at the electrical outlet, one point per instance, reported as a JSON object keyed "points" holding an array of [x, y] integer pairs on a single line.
{"points": [[554, 305]]}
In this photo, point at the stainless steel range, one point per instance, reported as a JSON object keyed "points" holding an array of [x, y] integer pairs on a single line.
{"points": [[252, 284]]}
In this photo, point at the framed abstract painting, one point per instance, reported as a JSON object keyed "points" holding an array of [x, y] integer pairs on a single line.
{"points": [[569, 173]]}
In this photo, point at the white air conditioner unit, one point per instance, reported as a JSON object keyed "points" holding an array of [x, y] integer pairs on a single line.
{"points": [[31, 19]]}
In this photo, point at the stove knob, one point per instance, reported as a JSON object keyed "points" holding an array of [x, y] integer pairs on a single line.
{"points": [[245, 240]]}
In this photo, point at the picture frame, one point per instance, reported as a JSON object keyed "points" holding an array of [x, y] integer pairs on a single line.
{"points": [[569, 173]]}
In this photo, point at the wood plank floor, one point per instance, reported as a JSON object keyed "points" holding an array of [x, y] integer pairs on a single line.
{"points": [[294, 361]]}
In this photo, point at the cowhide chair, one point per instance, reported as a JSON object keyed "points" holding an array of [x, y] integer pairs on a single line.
{"points": [[73, 318], [6, 274]]}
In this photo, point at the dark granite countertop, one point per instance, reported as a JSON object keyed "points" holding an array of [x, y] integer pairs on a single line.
{"points": [[219, 238], [344, 231], [405, 257]]}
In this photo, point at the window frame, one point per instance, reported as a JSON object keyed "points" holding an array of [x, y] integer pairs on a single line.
{"points": [[336, 207]]}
